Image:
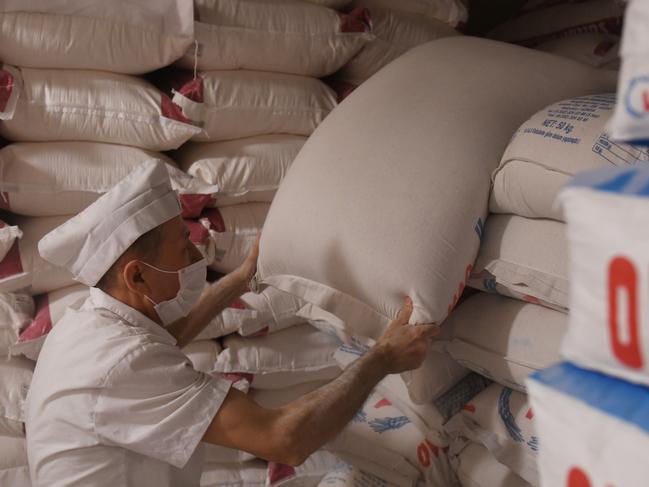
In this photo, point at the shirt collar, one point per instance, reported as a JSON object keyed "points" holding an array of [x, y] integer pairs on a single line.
{"points": [[102, 300]]}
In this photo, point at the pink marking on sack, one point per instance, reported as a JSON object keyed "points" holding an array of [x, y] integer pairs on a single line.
{"points": [[193, 204], [460, 289], [278, 472], [237, 304], [530, 414], [198, 234], [42, 322], [12, 264], [531, 299], [382, 403], [469, 408], [645, 100], [4, 201], [235, 377], [172, 111], [192, 90], [358, 20], [610, 25], [6, 87], [215, 218]]}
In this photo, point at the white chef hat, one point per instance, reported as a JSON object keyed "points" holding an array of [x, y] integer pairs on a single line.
{"points": [[91, 242]]}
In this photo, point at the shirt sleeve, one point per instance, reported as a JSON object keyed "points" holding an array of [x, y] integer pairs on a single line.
{"points": [[154, 403]]}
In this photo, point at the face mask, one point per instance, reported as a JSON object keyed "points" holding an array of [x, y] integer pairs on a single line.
{"points": [[192, 282]]}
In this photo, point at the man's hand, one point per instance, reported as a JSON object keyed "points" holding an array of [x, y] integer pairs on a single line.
{"points": [[245, 272], [402, 346]]}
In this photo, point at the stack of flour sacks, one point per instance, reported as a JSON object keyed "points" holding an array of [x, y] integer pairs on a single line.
{"points": [[516, 324]]}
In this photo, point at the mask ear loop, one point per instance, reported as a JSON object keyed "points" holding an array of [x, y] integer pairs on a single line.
{"points": [[195, 58]]}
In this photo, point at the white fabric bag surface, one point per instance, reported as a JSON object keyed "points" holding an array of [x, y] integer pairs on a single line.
{"points": [[631, 120], [16, 313], [593, 48], [119, 36], [56, 104], [308, 474], [24, 268], [505, 339], [202, 354], [245, 170], [524, 258], [502, 421], [396, 33], [16, 378], [593, 428], [275, 35], [236, 104], [542, 21], [251, 473], [453, 12], [14, 471], [609, 267], [49, 309], [292, 356], [325, 250], [478, 468], [550, 148], [347, 475], [8, 235]]}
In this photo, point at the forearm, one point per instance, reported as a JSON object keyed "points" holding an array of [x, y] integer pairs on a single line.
{"points": [[318, 417], [213, 301]]}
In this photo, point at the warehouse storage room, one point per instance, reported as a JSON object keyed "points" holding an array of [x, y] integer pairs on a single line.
{"points": [[324, 243]]}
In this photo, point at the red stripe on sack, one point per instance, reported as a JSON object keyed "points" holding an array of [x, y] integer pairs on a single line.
{"points": [[531, 299], [4, 201], [358, 20], [382, 403], [215, 218], [172, 111], [193, 204], [42, 322], [6, 87], [12, 264], [237, 304], [235, 377], [278, 472], [198, 234], [530, 414], [469, 408], [192, 90]]}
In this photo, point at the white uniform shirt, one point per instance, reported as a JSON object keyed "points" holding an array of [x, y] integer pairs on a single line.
{"points": [[114, 402]]}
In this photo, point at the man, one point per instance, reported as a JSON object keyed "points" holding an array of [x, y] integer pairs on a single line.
{"points": [[114, 401]]}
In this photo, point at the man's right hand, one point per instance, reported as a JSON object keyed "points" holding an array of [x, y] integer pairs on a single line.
{"points": [[402, 346]]}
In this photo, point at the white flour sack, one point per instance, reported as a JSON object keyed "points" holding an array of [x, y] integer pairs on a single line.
{"points": [[453, 12], [236, 104], [50, 308], [524, 258], [245, 170], [8, 233], [554, 20], [502, 421], [477, 467], [121, 36], [292, 356], [202, 354], [396, 32], [16, 312], [308, 474], [594, 48], [414, 165], [56, 104], [607, 234], [347, 475], [593, 428], [14, 471], [631, 120], [16, 378], [275, 35], [24, 268], [505, 339], [248, 474], [550, 148]]}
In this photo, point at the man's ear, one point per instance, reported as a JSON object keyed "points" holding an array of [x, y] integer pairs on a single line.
{"points": [[133, 278]]}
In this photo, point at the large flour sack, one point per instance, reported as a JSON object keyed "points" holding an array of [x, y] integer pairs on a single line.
{"points": [[608, 236], [419, 161], [505, 339], [477, 467], [275, 35], [14, 470], [550, 148], [119, 36], [525, 259], [57, 104], [593, 428]]}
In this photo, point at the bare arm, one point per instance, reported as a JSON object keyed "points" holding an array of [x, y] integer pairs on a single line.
{"points": [[214, 300], [291, 433]]}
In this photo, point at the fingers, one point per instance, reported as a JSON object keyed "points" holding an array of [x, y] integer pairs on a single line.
{"points": [[405, 312], [429, 331]]}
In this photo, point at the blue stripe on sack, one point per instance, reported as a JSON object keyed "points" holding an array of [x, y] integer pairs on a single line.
{"points": [[624, 400], [628, 181]]}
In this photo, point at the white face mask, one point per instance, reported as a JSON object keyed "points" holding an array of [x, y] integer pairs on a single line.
{"points": [[192, 282]]}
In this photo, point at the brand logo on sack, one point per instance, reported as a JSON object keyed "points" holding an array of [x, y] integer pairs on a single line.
{"points": [[637, 97]]}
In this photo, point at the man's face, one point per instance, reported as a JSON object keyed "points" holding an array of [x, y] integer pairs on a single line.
{"points": [[176, 251]]}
